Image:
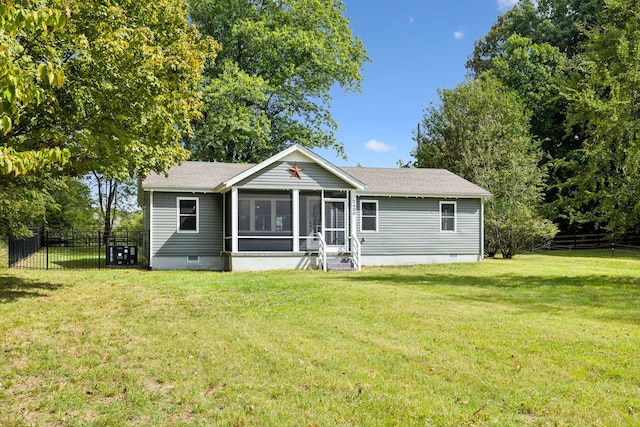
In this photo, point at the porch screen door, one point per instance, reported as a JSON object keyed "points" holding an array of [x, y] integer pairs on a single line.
{"points": [[335, 225], [314, 222]]}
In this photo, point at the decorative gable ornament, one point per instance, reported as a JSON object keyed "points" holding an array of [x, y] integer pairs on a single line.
{"points": [[295, 171]]}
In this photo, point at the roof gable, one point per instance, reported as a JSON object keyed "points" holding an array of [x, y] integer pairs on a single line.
{"points": [[294, 153], [294, 174]]}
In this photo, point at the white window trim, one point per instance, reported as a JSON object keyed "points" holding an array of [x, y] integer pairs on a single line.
{"points": [[178, 200], [455, 216], [377, 215]]}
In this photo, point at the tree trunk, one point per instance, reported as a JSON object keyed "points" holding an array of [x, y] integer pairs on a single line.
{"points": [[107, 192]]}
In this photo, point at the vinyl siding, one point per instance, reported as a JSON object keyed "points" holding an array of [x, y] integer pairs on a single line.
{"points": [[168, 242], [278, 176], [411, 226]]}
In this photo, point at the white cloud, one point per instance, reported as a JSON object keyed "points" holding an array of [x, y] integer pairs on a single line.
{"points": [[458, 35], [411, 20], [378, 147], [506, 4]]}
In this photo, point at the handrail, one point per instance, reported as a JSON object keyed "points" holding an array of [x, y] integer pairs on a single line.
{"points": [[322, 252], [355, 251]]}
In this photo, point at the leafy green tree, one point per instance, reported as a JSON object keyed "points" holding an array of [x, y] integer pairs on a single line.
{"points": [[269, 86], [26, 81], [559, 23], [72, 205], [534, 71], [605, 97], [130, 89], [480, 131], [130, 221], [23, 202], [531, 49], [537, 72], [131, 72]]}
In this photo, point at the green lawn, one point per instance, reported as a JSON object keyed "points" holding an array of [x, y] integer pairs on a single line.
{"points": [[65, 257], [550, 339]]}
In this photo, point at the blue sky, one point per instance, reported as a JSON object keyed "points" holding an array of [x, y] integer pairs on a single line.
{"points": [[416, 47]]}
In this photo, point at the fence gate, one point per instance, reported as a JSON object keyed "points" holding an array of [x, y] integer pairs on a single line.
{"points": [[79, 249]]}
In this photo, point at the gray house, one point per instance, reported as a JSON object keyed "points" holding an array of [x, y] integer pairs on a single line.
{"points": [[297, 210]]}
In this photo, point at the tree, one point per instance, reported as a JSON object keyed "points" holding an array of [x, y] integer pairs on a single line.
{"points": [[537, 72], [112, 197], [605, 96], [130, 221], [269, 86], [534, 71], [558, 23], [532, 49], [131, 71], [71, 205], [132, 118], [26, 82], [23, 202], [480, 131]]}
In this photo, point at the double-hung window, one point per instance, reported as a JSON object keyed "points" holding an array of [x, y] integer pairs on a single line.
{"points": [[448, 216], [368, 215], [188, 214]]}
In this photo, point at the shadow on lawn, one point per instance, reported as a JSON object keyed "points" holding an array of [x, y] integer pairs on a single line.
{"points": [[619, 252], [79, 263], [613, 298], [13, 288]]}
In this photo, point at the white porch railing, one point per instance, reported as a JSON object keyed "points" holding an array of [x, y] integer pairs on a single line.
{"points": [[322, 252], [355, 251]]}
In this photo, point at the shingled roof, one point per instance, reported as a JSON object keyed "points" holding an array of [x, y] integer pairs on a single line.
{"points": [[199, 176], [205, 176], [414, 182]]}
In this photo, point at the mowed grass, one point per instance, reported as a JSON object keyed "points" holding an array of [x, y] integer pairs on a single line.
{"points": [[550, 339], [65, 257]]}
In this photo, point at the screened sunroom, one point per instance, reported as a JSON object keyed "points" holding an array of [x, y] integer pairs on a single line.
{"points": [[286, 220]]}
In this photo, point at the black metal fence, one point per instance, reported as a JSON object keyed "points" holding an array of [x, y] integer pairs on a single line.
{"points": [[79, 249]]}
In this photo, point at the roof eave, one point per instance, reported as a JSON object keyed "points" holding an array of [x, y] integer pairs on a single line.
{"points": [[426, 195], [179, 189]]}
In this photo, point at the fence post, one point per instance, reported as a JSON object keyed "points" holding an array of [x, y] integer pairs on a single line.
{"points": [[99, 249], [46, 245], [612, 247]]}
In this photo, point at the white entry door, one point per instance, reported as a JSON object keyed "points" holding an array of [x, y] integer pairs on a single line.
{"points": [[335, 225]]}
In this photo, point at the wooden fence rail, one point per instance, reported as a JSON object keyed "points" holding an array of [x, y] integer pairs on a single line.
{"points": [[592, 241]]}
